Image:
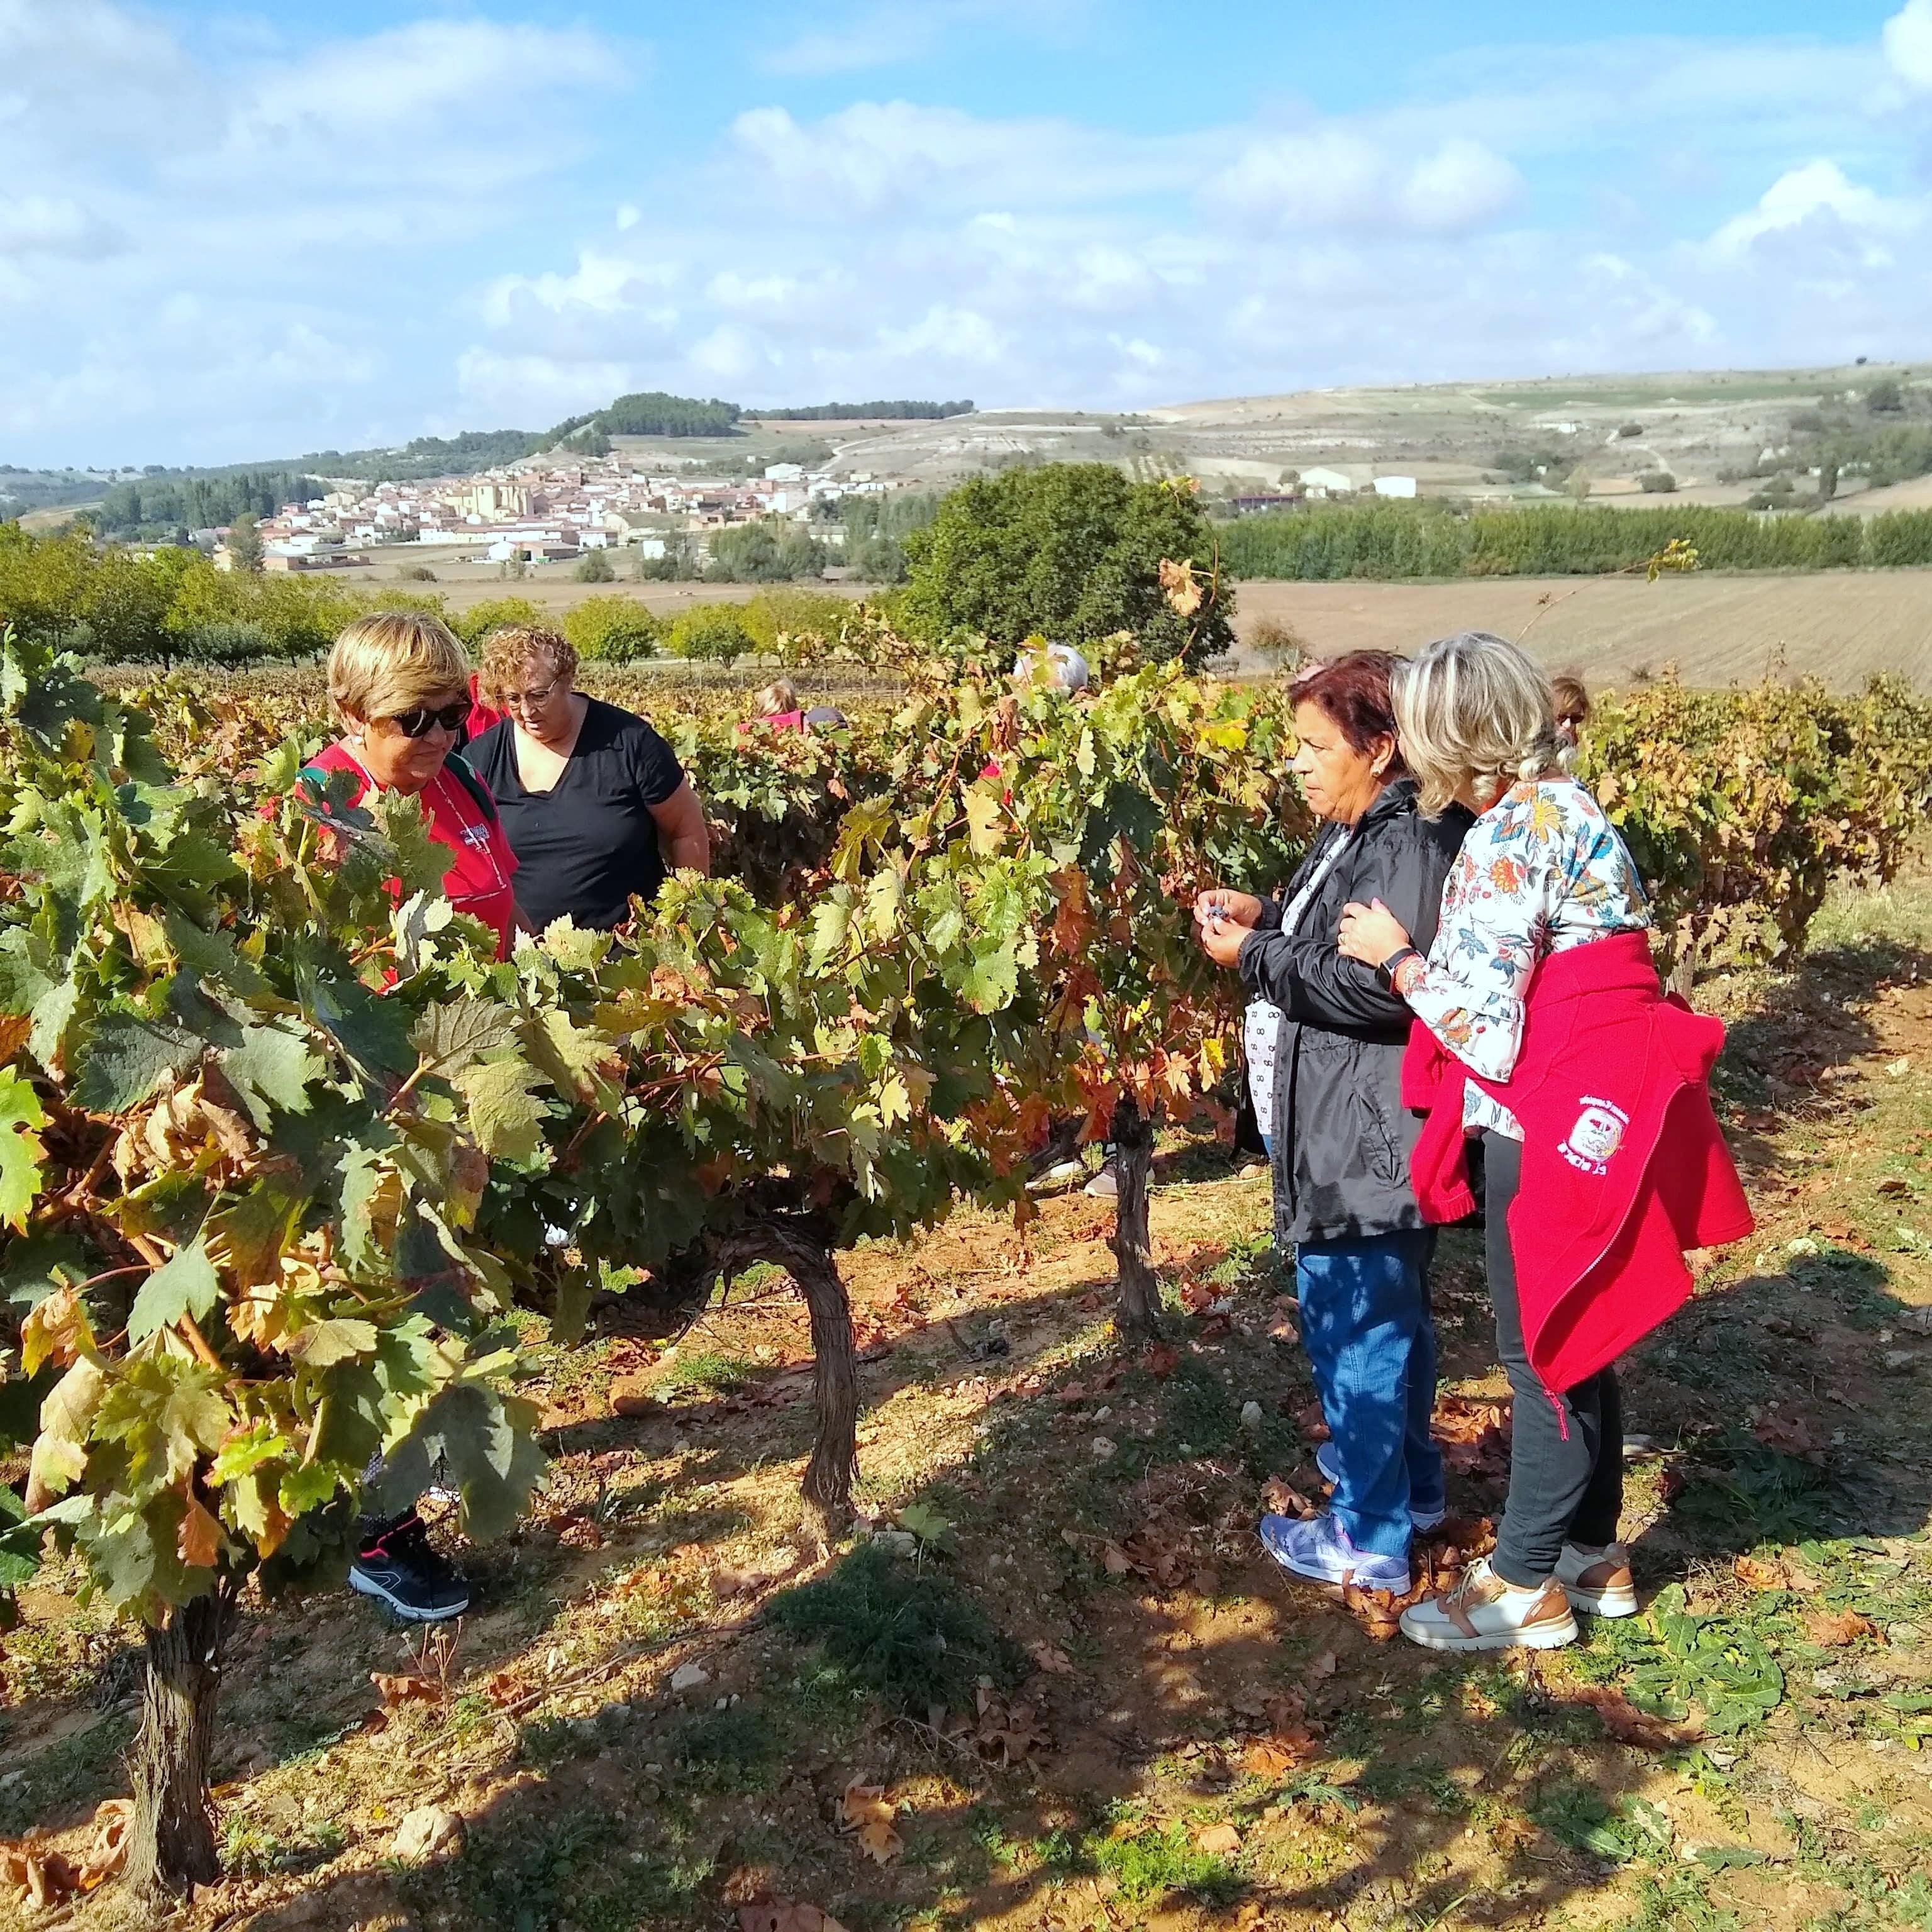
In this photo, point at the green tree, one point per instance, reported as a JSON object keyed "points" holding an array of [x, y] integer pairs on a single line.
{"points": [[773, 550], [1071, 551], [714, 631], [594, 566], [612, 630], [245, 543]]}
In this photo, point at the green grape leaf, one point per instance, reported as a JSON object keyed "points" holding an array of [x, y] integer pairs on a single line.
{"points": [[185, 1284], [420, 862], [20, 1149], [469, 1435], [505, 1114], [449, 1038], [373, 1033], [339, 1338], [126, 1057], [271, 1069]]}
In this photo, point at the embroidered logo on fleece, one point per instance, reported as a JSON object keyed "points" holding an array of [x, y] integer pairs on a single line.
{"points": [[477, 837], [1598, 1133]]}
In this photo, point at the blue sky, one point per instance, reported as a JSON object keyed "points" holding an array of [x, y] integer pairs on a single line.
{"points": [[231, 234]]}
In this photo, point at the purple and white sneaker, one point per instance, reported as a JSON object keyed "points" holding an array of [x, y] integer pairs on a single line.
{"points": [[1319, 1548], [1423, 1521]]}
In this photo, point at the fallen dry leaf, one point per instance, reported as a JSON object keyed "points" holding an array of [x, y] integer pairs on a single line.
{"points": [[1221, 1840], [1790, 1435], [1050, 1658], [866, 1811], [1833, 1630], [780, 1914], [1161, 1359], [1321, 1667], [108, 1852], [405, 1687], [33, 1866], [1628, 1724], [631, 1396], [1286, 1748], [1378, 1611], [1512, 1833], [1757, 1574], [1280, 1497], [1006, 1733]]}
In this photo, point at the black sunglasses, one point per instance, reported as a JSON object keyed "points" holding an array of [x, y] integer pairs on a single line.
{"points": [[416, 723]]}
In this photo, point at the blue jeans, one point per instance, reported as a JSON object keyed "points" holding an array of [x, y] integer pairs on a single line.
{"points": [[1366, 1325]]}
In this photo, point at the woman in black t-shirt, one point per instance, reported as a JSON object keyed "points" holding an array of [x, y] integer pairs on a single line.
{"points": [[595, 804]]}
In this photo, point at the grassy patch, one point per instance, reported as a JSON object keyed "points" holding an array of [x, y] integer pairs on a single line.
{"points": [[734, 1750], [913, 1639], [1146, 1865]]}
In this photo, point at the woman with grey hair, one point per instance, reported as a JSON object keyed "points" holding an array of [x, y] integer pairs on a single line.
{"points": [[1542, 872]]}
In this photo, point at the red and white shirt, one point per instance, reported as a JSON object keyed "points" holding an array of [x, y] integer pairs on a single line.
{"points": [[482, 866]]}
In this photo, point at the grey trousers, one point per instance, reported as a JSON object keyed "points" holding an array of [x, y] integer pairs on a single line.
{"points": [[1566, 1455]]}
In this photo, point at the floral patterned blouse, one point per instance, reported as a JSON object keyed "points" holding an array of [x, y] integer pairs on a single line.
{"points": [[1541, 870]]}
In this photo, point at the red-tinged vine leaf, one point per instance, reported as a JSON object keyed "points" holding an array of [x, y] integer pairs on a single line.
{"points": [[399, 1687], [198, 1538], [866, 1812], [780, 1914], [1220, 1841], [1161, 1359], [1281, 1497], [1198, 1297], [1834, 1630]]}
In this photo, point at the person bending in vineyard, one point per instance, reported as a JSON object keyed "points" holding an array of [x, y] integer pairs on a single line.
{"points": [[597, 807], [1544, 1033], [397, 682], [1339, 1137]]}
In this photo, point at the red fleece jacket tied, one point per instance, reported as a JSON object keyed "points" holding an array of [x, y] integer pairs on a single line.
{"points": [[1624, 1165]]}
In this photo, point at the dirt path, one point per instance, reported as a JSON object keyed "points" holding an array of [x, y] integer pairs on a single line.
{"points": [[1143, 1722]]}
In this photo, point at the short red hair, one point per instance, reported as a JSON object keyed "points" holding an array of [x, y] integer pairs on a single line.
{"points": [[1354, 694]]}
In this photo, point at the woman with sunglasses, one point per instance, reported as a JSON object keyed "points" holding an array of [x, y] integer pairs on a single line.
{"points": [[597, 806], [398, 682]]}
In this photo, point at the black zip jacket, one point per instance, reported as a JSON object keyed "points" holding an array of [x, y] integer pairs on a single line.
{"points": [[1342, 1136]]}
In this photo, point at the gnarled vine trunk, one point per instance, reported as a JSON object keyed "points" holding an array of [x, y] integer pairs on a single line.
{"points": [[1139, 1315], [801, 1244], [171, 1846]]}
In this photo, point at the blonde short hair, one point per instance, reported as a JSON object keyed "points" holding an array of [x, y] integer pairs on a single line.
{"points": [[778, 697], [393, 661], [1474, 709], [511, 646]]}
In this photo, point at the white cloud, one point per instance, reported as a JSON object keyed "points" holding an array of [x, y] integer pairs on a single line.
{"points": [[38, 224], [1819, 199], [1340, 178], [1907, 41]]}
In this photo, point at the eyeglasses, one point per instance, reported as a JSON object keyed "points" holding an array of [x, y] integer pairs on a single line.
{"points": [[530, 701], [419, 723]]}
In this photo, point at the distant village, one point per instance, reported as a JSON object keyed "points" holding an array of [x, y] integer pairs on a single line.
{"points": [[533, 514]]}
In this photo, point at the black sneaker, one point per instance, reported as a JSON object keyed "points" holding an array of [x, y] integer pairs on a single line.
{"points": [[396, 1564]]}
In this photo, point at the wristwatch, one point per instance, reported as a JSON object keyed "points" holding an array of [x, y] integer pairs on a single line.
{"points": [[1388, 970]]}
